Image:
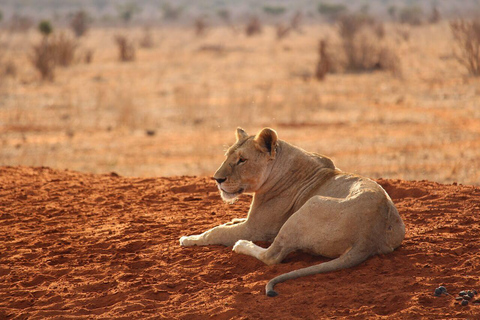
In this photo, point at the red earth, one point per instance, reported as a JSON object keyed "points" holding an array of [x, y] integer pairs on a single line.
{"points": [[75, 245]]}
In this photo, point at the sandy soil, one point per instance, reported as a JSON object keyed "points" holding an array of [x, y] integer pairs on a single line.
{"points": [[74, 245]]}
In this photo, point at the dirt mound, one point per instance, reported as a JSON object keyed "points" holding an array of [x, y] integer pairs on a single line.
{"points": [[76, 245]]}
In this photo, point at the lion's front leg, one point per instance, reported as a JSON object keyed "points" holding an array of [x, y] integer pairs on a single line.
{"points": [[226, 234]]}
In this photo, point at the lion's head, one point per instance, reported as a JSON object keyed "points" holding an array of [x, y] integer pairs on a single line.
{"points": [[247, 164]]}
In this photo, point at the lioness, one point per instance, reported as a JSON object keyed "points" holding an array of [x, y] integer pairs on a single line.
{"points": [[301, 202]]}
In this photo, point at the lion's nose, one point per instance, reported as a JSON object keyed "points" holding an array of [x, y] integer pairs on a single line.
{"points": [[219, 180]]}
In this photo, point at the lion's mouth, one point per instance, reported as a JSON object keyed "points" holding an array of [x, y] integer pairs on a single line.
{"points": [[237, 193]]}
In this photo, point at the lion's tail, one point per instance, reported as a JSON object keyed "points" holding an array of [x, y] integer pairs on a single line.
{"points": [[349, 259]]}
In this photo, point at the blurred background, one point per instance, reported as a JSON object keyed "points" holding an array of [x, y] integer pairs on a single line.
{"points": [[157, 88]]}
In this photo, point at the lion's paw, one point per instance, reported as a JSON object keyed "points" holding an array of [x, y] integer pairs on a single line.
{"points": [[243, 246], [187, 241]]}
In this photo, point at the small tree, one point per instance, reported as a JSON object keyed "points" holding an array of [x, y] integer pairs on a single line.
{"points": [[466, 35], [45, 27]]}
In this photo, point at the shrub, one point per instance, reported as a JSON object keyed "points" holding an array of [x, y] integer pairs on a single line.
{"points": [[323, 65], [200, 26], [45, 27], [127, 10], [362, 46], [79, 23], [170, 12], [253, 27], [20, 23], [64, 48], [332, 11], [412, 15], [43, 59], [466, 35], [147, 39], [126, 49], [274, 10]]}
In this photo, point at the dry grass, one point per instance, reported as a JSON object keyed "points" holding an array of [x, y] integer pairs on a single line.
{"points": [[425, 125]]}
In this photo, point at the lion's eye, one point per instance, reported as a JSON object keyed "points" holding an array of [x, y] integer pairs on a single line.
{"points": [[241, 160]]}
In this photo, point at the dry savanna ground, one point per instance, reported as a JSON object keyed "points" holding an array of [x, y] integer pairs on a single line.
{"points": [[190, 92]]}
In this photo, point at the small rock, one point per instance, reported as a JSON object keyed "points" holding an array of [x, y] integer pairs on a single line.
{"points": [[464, 302], [474, 291], [462, 293], [470, 294], [466, 297], [459, 298]]}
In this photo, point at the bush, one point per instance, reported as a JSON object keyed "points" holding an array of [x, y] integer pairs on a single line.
{"points": [[45, 27], [466, 35], [79, 23], [43, 59], [332, 11], [20, 23], [127, 10], [170, 12], [126, 49], [253, 27], [362, 46], [412, 15], [323, 65], [274, 10], [64, 48]]}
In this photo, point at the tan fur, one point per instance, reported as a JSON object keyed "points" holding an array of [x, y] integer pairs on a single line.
{"points": [[301, 202]]}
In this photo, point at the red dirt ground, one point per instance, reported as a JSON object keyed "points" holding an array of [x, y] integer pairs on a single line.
{"points": [[78, 245]]}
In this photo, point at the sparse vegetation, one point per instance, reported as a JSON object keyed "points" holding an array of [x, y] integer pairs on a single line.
{"points": [[127, 10], [147, 38], [20, 23], [361, 41], [253, 27], [79, 23], [171, 12], [412, 15], [126, 48], [64, 48], [200, 26], [466, 35], [274, 10], [323, 64], [332, 11], [43, 58]]}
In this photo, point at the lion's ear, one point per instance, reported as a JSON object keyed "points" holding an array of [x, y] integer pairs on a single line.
{"points": [[266, 141], [241, 134]]}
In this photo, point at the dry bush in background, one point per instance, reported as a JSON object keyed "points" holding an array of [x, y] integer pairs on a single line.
{"points": [[19, 23], [43, 58], [126, 49], [253, 27], [200, 26], [466, 35], [147, 39], [282, 31], [64, 48], [412, 15], [323, 65], [363, 47], [79, 23]]}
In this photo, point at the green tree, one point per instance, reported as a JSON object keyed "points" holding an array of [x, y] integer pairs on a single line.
{"points": [[45, 27]]}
